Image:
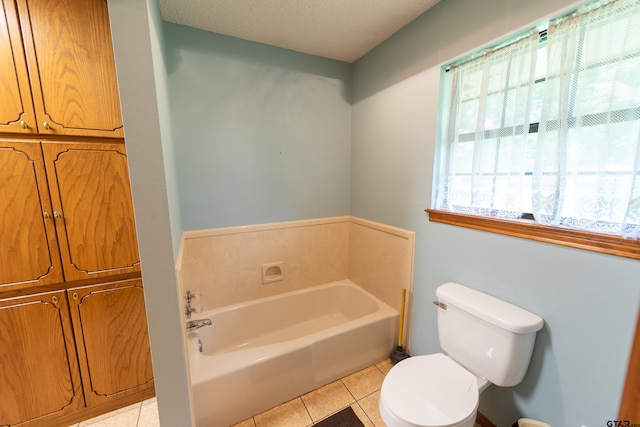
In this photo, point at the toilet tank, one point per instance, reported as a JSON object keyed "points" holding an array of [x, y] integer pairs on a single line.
{"points": [[489, 337]]}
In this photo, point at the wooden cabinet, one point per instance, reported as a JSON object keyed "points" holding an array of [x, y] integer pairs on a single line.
{"points": [[73, 330], [29, 248], [86, 204], [113, 363], [66, 218], [40, 376], [69, 67], [93, 212], [58, 344], [16, 108]]}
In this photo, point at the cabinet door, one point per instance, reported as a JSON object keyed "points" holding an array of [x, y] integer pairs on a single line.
{"points": [[110, 326], [91, 196], [16, 108], [38, 364], [28, 246], [71, 66]]}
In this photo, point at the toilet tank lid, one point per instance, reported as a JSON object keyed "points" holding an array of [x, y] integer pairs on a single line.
{"points": [[493, 310]]}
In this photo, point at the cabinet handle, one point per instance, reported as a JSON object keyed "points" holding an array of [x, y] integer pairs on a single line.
{"points": [[46, 125], [47, 215], [57, 215], [23, 124]]}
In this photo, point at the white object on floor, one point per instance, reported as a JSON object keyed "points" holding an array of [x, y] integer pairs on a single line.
{"points": [[487, 340]]}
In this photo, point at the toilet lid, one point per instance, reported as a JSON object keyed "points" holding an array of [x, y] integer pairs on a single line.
{"points": [[430, 390]]}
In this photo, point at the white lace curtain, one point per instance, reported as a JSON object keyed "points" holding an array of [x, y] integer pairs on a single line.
{"points": [[487, 150], [551, 127], [588, 156]]}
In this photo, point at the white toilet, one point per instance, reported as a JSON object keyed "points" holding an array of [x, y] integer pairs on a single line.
{"points": [[487, 340]]}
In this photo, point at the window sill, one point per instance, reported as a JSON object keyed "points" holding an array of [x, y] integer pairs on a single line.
{"points": [[526, 229]]}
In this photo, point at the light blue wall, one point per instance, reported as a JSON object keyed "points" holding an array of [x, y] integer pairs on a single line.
{"points": [[162, 93], [589, 301], [262, 134], [137, 41]]}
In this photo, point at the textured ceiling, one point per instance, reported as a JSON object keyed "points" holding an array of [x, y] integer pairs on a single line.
{"points": [[337, 29]]}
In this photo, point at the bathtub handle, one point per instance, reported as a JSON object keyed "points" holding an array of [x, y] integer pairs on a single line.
{"points": [[188, 296]]}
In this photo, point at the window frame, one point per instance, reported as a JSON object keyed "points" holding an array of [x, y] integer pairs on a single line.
{"points": [[530, 230], [526, 227]]}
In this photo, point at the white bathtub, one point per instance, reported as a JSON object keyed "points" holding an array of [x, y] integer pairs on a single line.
{"points": [[262, 353]]}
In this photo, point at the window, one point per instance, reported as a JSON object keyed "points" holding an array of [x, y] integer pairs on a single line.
{"points": [[548, 126]]}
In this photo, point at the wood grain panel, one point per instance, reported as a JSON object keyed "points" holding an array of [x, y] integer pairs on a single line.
{"points": [[71, 66], [90, 190], [39, 375], [112, 362], [16, 108], [527, 229], [630, 403], [28, 245]]}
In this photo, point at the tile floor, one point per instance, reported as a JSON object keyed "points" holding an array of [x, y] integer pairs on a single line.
{"points": [[360, 390], [143, 414]]}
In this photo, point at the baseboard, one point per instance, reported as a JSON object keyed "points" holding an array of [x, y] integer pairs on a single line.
{"points": [[94, 411], [484, 421]]}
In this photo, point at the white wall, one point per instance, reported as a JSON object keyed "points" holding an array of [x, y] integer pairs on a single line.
{"points": [[589, 301]]}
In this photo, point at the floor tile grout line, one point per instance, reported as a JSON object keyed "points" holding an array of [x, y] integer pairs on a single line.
{"points": [[350, 393], [357, 401], [139, 413], [363, 410], [366, 414], [367, 395], [307, 409], [106, 416]]}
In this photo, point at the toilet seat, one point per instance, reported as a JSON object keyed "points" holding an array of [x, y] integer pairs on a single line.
{"points": [[431, 391]]}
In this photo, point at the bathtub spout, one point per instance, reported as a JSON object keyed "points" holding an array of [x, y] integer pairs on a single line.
{"points": [[192, 325]]}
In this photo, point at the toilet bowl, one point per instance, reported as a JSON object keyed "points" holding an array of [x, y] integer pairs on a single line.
{"points": [[430, 390], [487, 341]]}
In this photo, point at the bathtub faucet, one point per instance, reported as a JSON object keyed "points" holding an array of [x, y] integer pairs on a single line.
{"points": [[188, 309], [192, 325]]}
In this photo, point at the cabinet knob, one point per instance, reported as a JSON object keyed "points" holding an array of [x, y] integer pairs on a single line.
{"points": [[54, 299], [46, 125], [23, 124], [75, 295], [57, 215], [46, 215]]}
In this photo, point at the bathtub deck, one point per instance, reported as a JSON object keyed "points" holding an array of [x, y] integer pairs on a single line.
{"points": [[360, 391]]}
